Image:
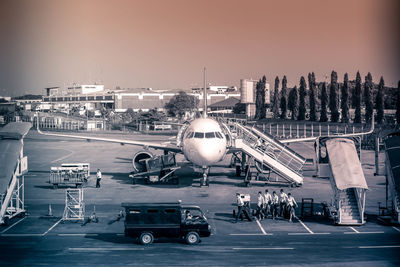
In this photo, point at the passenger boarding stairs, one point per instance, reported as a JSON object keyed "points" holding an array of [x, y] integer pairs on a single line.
{"points": [[392, 150], [350, 213], [270, 152]]}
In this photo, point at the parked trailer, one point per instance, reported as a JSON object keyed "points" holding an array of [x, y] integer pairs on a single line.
{"points": [[67, 176], [159, 169]]}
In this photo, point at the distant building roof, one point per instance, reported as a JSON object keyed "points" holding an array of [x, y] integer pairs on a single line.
{"points": [[226, 103]]}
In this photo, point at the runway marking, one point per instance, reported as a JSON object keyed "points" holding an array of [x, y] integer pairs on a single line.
{"points": [[103, 249], [16, 235], [395, 246], [11, 226], [250, 234], [377, 232], [352, 228], [52, 227], [395, 228], [120, 234], [270, 248], [309, 233], [305, 226], [78, 234], [261, 228], [64, 157]]}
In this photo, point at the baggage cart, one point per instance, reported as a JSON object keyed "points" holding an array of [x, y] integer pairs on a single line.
{"points": [[67, 176]]}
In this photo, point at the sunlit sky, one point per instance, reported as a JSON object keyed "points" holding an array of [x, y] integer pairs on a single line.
{"points": [[164, 44]]}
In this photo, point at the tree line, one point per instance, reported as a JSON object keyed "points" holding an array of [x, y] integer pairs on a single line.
{"points": [[332, 100]]}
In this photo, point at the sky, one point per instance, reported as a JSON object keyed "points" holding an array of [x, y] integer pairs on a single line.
{"points": [[164, 44]]}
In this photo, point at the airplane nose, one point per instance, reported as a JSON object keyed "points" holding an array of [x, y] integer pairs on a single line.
{"points": [[209, 153]]}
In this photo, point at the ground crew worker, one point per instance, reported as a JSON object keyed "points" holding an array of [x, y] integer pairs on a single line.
{"points": [[98, 178], [282, 203], [260, 206], [188, 216], [267, 203], [291, 205], [275, 201], [240, 205]]}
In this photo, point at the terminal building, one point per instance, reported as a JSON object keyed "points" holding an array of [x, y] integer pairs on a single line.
{"points": [[95, 97]]}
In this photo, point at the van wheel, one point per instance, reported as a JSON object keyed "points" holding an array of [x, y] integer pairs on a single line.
{"points": [[146, 238], [192, 238]]}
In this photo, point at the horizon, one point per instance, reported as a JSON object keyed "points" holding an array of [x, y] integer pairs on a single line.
{"points": [[165, 44]]}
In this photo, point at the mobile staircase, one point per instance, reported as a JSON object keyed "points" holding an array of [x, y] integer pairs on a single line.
{"points": [[269, 152], [339, 161], [392, 151], [13, 166]]}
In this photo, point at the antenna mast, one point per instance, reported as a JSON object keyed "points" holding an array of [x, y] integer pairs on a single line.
{"points": [[205, 94]]}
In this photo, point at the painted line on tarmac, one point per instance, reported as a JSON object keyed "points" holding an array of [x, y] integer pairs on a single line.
{"points": [[305, 226], [261, 228], [103, 249], [17, 235], [309, 233], [52, 227], [248, 234], [395, 246], [395, 228], [64, 157], [73, 234], [264, 248], [355, 230], [11, 226], [376, 232]]}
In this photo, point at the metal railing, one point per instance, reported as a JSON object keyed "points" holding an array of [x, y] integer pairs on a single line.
{"points": [[273, 149]]}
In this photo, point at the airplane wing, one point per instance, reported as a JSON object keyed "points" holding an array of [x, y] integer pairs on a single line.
{"points": [[167, 146]]}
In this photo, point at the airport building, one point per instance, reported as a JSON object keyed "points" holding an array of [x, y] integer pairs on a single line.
{"points": [[248, 95]]}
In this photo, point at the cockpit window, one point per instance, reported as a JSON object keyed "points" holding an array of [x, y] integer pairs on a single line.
{"points": [[210, 135], [219, 135], [198, 135], [190, 135]]}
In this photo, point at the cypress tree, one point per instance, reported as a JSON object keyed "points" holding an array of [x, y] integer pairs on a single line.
{"points": [[357, 99], [324, 101], [379, 101], [292, 102], [302, 99], [283, 105], [260, 99], [263, 109], [344, 103], [367, 98], [275, 101], [398, 104], [311, 84], [259, 103], [333, 98]]}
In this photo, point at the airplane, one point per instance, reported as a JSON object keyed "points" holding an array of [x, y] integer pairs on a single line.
{"points": [[203, 142]]}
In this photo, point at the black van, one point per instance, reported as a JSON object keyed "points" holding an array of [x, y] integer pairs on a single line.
{"points": [[151, 220]]}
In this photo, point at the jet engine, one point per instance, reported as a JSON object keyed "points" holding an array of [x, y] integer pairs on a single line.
{"points": [[138, 160]]}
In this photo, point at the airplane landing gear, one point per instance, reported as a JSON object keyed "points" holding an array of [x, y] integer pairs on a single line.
{"points": [[204, 181]]}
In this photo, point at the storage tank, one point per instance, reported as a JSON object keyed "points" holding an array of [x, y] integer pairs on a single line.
{"points": [[246, 91]]}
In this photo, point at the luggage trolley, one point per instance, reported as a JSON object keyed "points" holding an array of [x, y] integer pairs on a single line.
{"points": [[67, 176]]}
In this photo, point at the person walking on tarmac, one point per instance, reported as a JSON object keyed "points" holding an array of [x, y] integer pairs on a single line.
{"points": [[260, 206], [291, 205], [282, 203], [275, 201], [240, 205], [98, 178], [267, 203]]}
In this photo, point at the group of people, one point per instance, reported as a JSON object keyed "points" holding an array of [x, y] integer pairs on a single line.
{"points": [[268, 204]]}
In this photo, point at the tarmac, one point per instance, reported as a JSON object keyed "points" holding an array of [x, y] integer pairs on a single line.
{"points": [[40, 240]]}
